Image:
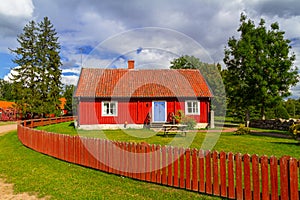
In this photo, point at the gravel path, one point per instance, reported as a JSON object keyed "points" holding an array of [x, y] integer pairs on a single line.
{"points": [[6, 128]]}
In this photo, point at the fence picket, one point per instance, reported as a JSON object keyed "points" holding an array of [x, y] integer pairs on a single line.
{"points": [[265, 177], [153, 164], [194, 170], [176, 159], [208, 172], [247, 177], [238, 176], [255, 177], [293, 178], [181, 163], [216, 186], [164, 165], [148, 163], [201, 171], [274, 177], [188, 169], [158, 164], [231, 188], [223, 174], [170, 165]]}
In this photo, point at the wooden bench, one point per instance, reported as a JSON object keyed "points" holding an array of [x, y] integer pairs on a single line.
{"points": [[174, 128]]}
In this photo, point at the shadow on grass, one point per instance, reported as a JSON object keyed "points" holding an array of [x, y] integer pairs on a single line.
{"points": [[72, 124], [287, 143], [269, 134]]}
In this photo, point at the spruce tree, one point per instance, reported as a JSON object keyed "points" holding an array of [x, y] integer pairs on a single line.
{"points": [[50, 74], [24, 78], [36, 80]]}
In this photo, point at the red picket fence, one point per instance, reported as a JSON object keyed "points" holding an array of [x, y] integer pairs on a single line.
{"points": [[229, 175]]}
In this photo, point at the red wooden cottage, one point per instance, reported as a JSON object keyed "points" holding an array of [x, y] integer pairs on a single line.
{"points": [[118, 98]]}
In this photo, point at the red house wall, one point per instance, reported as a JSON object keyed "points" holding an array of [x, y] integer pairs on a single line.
{"points": [[134, 111]]}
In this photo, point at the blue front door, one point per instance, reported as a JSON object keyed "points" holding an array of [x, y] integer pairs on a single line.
{"points": [[159, 111]]}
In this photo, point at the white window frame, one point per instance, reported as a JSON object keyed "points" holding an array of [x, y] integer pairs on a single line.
{"points": [[109, 103], [187, 110]]}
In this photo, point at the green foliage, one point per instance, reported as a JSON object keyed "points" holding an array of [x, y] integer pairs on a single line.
{"points": [[260, 67], [37, 79], [281, 112], [6, 90], [242, 130], [295, 130], [212, 75], [189, 121], [181, 118], [68, 94]]}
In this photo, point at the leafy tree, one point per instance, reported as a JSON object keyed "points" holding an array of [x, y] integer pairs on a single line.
{"points": [[37, 82], [211, 73], [6, 90], [260, 67], [281, 112], [68, 94]]}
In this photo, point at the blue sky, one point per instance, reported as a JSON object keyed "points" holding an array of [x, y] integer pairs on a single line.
{"points": [[108, 33]]}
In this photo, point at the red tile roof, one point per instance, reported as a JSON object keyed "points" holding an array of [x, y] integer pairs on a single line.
{"points": [[6, 104], [96, 82]]}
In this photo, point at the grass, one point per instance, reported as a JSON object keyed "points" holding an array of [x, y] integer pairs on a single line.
{"points": [[36, 173], [2, 123], [228, 142]]}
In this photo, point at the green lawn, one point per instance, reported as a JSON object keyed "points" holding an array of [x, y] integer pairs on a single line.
{"points": [[36, 173], [228, 142]]}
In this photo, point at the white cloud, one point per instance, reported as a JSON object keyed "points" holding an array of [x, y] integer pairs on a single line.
{"points": [[17, 8], [69, 80]]}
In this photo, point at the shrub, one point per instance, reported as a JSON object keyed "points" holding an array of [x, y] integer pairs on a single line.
{"points": [[295, 130], [190, 122], [242, 130]]}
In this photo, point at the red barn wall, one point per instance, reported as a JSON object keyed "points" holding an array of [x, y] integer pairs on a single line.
{"points": [[133, 111]]}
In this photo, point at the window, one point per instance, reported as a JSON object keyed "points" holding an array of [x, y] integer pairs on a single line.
{"points": [[109, 108], [192, 107]]}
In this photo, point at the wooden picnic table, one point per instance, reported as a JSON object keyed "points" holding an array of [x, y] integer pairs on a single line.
{"points": [[175, 128]]}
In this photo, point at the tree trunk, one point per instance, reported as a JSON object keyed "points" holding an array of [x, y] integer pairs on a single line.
{"points": [[247, 118]]}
